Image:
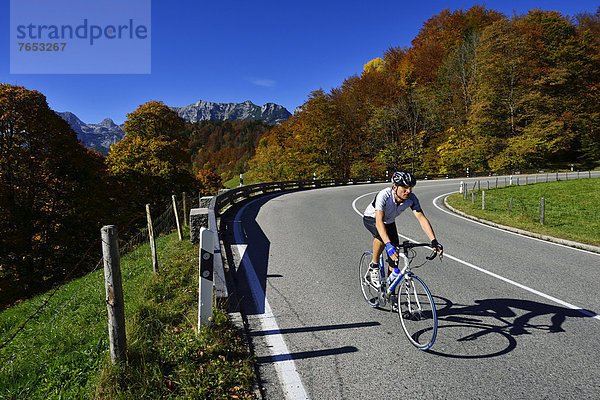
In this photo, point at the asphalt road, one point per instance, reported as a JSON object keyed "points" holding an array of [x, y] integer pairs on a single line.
{"points": [[517, 316]]}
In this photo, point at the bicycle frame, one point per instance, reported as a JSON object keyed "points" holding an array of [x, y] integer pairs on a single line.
{"points": [[404, 271]]}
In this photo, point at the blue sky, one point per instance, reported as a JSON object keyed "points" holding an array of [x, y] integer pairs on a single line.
{"points": [[262, 51]]}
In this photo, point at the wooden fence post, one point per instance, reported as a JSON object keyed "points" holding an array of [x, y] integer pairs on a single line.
{"points": [[152, 241], [483, 199], [510, 204], [179, 232], [114, 293], [543, 211], [186, 220]]}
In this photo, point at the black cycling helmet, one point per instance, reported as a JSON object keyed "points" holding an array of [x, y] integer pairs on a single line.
{"points": [[402, 178]]}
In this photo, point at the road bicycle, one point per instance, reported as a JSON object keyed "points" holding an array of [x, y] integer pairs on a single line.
{"points": [[407, 294]]}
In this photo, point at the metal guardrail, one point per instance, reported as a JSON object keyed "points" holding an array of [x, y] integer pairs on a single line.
{"points": [[227, 198]]}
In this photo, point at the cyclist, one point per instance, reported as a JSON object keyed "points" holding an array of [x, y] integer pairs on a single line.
{"points": [[380, 216]]}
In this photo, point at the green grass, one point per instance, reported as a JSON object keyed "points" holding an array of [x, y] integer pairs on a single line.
{"points": [[235, 182], [572, 208], [63, 352]]}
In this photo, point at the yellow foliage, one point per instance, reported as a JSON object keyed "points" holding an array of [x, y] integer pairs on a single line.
{"points": [[376, 64]]}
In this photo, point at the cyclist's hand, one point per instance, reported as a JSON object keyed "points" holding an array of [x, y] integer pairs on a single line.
{"points": [[391, 250], [435, 245]]}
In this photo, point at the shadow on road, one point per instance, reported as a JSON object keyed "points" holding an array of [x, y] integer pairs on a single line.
{"points": [[256, 246], [307, 354], [316, 328], [491, 327]]}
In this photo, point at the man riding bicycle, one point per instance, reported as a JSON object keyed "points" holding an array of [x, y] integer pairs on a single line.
{"points": [[380, 216]]}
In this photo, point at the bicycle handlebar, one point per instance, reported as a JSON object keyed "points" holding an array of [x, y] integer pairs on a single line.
{"points": [[409, 245]]}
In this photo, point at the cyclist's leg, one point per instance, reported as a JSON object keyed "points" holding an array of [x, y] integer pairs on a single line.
{"points": [[392, 232], [378, 245]]}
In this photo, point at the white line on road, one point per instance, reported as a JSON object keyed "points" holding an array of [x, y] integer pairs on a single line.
{"points": [[519, 285], [284, 364]]}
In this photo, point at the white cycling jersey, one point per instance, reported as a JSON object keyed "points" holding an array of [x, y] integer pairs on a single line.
{"points": [[384, 201]]}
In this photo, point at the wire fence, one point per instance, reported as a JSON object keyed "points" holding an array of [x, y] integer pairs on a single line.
{"points": [[68, 325], [539, 207]]}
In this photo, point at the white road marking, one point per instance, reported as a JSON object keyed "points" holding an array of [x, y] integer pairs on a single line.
{"points": [[519, 285], [284, 364]]}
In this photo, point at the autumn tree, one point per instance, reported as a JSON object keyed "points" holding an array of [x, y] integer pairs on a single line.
{"points": [[209, 182], [476, 89], [151, 161], [52, 192]]}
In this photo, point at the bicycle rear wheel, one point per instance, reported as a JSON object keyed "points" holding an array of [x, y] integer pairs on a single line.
{"points": [[417, 312], [370, 292]]}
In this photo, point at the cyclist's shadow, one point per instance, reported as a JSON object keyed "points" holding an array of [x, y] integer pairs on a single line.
{"points": [[497, 322]]}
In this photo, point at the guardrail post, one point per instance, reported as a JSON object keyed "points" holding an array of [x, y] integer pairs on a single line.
{"points": [[205, 284], [198, 220], [114, 293]]}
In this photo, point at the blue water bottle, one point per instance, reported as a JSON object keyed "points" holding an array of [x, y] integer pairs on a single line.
{"points": [[393, 276]]}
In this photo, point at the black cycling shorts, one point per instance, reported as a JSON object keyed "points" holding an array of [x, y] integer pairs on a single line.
{"points": [[391, 230]]}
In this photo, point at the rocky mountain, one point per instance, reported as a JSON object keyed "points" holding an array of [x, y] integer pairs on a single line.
{"points": [[103, 135], [270, 113], [95, 136]]}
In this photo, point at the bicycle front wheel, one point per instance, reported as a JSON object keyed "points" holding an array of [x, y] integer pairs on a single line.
{"points": [[370, 292], [417, 312]]}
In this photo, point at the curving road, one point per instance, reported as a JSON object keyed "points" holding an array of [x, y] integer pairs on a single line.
{"points": [[517, 316]]}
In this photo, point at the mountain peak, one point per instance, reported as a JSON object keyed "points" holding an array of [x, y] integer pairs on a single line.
{"points": [[106, 133], [108, 123], [202, 110]]}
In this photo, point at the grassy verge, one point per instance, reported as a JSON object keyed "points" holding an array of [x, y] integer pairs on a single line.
{"points": [[572, 208], [235, 182], [63, 352]]}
